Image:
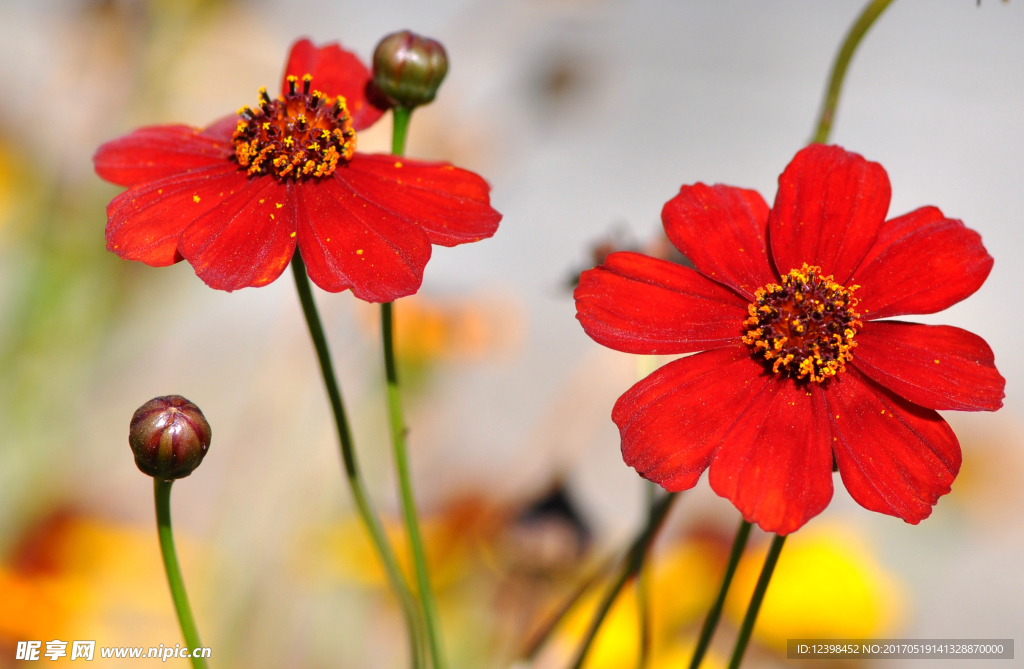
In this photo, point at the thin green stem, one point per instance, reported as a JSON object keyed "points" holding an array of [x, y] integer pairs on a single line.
{"points": [[399, 130], [348, 455], [711, 622], [162, 495], [412, 525], [537, 641], [860, 27], [631, 566], [400, 119], [643, 589], [747, 628]]}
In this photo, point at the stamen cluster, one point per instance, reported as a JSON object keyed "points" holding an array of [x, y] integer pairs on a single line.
{"points": [[296, 136], [804, 327]]}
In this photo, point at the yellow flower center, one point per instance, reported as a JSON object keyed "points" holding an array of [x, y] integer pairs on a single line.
{"points": [[296, 136], [804, 327]]}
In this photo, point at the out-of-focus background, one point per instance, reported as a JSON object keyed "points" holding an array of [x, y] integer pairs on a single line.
{"points": [[585, 116]]}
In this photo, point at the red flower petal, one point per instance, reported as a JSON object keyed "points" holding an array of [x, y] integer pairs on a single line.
{"points": [[247, 241], [828, 210], [638, 304], [335, 72], [144, 222], [452, 205], [223, 129], [936, 366], [672, 421], [921, 263], [156, 152], [775, 464], [722, 230], [895, 457], [350, 241]]}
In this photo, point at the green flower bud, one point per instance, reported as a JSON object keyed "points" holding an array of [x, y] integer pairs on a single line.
{"points": [[169, 437], [408, 68]]}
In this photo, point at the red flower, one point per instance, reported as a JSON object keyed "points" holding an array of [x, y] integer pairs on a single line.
{"points": [[235, 199], [796, 372]]}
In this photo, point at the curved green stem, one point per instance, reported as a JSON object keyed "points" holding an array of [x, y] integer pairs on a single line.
{"points": [[747, 628], [359, 493], [162, 495], [631, 566], [860, 27], [399, 131], [711, 622], [412, 525], [643, 589], [537, 641]]}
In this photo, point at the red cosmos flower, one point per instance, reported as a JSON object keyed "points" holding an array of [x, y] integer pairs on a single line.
{"points": [[235, 198], [796, 372]]}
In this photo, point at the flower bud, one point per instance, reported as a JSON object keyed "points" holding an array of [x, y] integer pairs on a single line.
{"points": [[408, 68], [169, 437]]}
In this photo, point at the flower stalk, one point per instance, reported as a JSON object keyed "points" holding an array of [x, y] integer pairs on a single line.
{"points": [[860, 28], [539, 639], [631, 566], [396, 415], [400, 129], [747, 628], [162, 496], [358, 487], [715, 613], [643, 589]]}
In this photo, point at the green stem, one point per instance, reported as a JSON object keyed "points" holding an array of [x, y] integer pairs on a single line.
{"points": [[860, 27], [162, 495], [630, 568], [366, 512], [711, 622], [399, 129], [755, 601], [412, 525], [537, 642], [643, 589]]}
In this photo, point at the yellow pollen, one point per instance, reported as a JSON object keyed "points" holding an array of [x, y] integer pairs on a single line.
{"points": [[359, 252], [298, 136], [803, 326], [195, 198]]}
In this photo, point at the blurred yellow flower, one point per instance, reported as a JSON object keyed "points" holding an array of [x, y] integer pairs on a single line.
{"points": [[452, 537], [431, 330], [7, 186], [683, 582], [76, 577], [988, 486], [827, 584]]}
